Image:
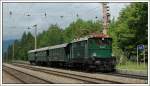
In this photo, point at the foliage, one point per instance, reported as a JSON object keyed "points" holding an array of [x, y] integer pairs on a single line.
{"points": [[132, 66], [130, 29], [53, 36], [81, 28]]}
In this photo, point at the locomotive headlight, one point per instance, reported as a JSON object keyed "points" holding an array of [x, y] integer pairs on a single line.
{"points": [[112, 54], [97, 62], [94, 54]]}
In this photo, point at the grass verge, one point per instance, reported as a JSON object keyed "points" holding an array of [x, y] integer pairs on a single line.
{"points": [[133, 66]]}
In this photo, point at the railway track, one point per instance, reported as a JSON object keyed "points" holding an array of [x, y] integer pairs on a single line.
{"points": [[14, 77], [24, 78], [87, 79], [115, 74]]}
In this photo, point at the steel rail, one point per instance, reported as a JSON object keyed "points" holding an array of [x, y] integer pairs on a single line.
{"points": [[9, 69], [73, 76]]}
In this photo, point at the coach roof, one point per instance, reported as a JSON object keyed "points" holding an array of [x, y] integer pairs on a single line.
{"points": [[91, 36], [47, 48]]}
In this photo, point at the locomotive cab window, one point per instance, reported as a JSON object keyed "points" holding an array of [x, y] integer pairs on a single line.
{"points": [[101, 41]]}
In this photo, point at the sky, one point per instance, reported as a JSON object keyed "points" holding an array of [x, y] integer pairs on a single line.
{"points": [[17, 17]]}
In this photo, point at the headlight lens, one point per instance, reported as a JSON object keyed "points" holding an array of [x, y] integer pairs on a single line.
{"points": [[93, 54], [97, 62]]}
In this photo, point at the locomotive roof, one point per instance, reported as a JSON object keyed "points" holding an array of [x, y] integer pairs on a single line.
{"points": [[91, 36], [80, 39], [49, 47]]}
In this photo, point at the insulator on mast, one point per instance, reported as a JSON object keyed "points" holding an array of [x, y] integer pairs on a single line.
{"points": [[45, 14], [10, 13], [77, 15], [61, 16], [28, 28], [28, 15]]}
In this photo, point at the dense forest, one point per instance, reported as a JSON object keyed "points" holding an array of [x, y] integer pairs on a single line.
{"points": [[128, 31]]}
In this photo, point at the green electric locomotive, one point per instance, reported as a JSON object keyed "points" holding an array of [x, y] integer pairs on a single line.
{"points": [[92, 52]]}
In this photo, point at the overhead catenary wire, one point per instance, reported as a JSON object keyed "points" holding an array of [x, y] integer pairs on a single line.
{"points": [[45, 14]]}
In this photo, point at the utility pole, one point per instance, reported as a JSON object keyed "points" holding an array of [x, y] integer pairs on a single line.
{"points": [[13, 51], [7, 57], [106, 17], [35, 41]]}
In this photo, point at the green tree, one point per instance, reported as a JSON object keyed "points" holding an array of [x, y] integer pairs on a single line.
{"points": [[131, 28], [81, 28]]}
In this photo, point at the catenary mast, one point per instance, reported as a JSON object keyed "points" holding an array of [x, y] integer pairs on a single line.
{"points": [[106, 17]]}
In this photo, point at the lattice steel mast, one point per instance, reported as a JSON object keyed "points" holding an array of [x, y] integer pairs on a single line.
{"points": [[106, 17]]}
